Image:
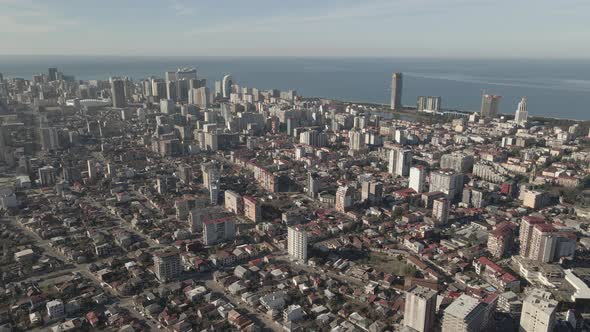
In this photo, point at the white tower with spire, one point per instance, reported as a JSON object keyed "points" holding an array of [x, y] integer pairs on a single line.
{"points": [[522, 114]]}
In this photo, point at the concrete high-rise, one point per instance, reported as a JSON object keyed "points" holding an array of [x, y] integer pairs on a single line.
{"points": [[356, 140], [46, 176], [218, 230], [420, 308], [538, 312], [313, 184], [459, 161], [167, 265], [199, 97], [159, 89], [226, 85], [417, 178], [52, 74], [521, 115], [400, 161], [49, 138], [501, 239], [446, 181], [372, 192], [344, 198], [211, 181], [186, 73], [440, 210], [91, 169], [526, 233], [171, 92], [185, 173], [396, 91], [490, 105], [428, 103], [543, 243], [465, 314], [297, 243], [118, 92]]}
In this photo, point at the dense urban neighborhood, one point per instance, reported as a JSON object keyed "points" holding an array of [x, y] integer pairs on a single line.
{"points": [[170, 204]]}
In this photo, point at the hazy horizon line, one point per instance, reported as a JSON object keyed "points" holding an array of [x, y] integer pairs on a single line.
{"points": [[408, 57]]}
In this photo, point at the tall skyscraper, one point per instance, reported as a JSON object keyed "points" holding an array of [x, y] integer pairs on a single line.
{"points": [[458, 161], [297, 243], [344, 198], [396, 91], [372, 192], [186, 73], [400, 161], [182, 90], [199, 97], [171, 91], [446, 181], [159, 89], [417, 177], [490, 105], [118, 92], [428, 103], [526, 233], [226, 85], [211, 180], [313, 184], [356, 140], [543, 243], [52, 74], [420, 308], [185, 173], [170, 76], [538, 312], [521, 115], [46, 176], [313, 138], [440, 210], [49, 138], [218, 89], [183, 78], [91, 169]]}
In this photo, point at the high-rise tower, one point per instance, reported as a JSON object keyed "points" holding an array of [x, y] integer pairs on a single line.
{"points": [[226, 85], [118, 92], [396, 91], [297, 243], [521, 115], [489, 105]]}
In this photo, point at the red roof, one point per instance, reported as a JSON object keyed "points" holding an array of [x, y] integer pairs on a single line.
{"points": [[533, 220], [505, 276], [405, 192], [503, 229], [545, 228], [214, 221], [250, 199]]}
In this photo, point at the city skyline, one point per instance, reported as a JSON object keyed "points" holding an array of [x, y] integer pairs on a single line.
{"points": [[304, 169], [453, 29]]}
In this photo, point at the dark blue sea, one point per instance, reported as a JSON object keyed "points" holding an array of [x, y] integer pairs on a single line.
{"points": [[555, 88]]}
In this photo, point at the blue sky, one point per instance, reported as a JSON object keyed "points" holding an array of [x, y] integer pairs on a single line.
{"points": [[390, 28]]}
